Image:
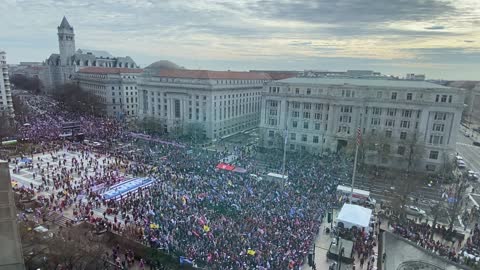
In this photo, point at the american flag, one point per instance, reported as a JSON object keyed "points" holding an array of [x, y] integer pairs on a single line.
{"points": [[359, 136]]}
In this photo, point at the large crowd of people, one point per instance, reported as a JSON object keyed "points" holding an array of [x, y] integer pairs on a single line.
{"points": [[216, 218]]}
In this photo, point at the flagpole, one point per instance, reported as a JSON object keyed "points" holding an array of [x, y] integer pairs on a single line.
{"points": [[284, 155], [359, 134], [354, 171]]}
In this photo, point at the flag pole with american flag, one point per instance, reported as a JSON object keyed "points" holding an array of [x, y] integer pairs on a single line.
{"points": [[359, 139]]}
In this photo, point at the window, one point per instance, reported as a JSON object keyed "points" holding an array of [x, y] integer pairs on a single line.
{"points": [[440, 116], [394, 95], [436, 139], [271, 133], [318, 116], [292, 146], [294, 124], [306, 115], [305, 125], [315, 139], [438, 127], [296, 105], [391, 112], [388, 133], [295, 114], [304, 138], [375, 121], [307, 106], [390, 123], [377, 111], [379, 94], [272, 122], [433, 155], [407, 113], [409, 96], [309, 91], [297, 91], [403, 135], [317, 126], [450, 99], [273, 112], [405, 124], [318, 107], [401, 150], [293, 136], [437, 98]]}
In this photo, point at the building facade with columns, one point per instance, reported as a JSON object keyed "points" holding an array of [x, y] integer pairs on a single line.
{"points": [[115, 88], [316, 114], [63, 65], [6, 104], [214, 103]]}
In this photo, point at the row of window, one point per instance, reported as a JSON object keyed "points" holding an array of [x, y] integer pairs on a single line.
{"points": [[302, 137]]}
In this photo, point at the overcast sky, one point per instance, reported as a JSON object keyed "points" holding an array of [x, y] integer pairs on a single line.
{"points": [[437, 37]]}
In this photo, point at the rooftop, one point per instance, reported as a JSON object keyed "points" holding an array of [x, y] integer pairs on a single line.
{"points": [[214, 75], [365, 82], [109, 70]]}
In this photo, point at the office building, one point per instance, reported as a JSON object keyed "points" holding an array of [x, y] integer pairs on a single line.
{"points": [[6, 104], [323, 114], [214, 103]]}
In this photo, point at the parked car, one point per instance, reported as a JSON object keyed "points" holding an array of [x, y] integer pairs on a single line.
{"points": [[413, 210], [476, 143], [461, 164], [472, 175], [458, 157]]}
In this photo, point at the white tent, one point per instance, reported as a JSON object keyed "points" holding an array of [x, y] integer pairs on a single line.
{"points": [[354, 215]]}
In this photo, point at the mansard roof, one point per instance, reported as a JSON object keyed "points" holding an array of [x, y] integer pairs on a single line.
{"points": [[109, 70], [209, 74]]}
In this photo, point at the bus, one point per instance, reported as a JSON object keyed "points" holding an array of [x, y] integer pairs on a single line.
{"points": [[358, 196]]}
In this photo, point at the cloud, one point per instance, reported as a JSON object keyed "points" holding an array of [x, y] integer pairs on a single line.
{"points": [[435, 27], [325, 32]]}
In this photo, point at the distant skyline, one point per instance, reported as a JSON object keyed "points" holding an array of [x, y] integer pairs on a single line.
{"points": [[438, 38]]}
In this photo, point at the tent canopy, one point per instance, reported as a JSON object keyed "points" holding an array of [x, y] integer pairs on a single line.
{"points": [[354, 215]]}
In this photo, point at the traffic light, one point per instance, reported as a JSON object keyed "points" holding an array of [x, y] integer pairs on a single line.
{"points": [[329, 217]]}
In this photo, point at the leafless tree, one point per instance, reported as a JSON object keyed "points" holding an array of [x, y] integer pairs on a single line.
{"points": [[75, 99], [32, 84]]}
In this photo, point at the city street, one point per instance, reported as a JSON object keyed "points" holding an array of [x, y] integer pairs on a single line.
{"points": [[466, 149]]}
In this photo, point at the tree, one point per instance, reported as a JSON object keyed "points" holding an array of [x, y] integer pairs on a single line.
{"points": [[76, 99], [151, 126], [70, 248], [32, 84], [195, 132], [455, 202], [7, 128]]}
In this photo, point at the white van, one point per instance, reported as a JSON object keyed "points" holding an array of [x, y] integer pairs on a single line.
{"points": [[358, 196]]}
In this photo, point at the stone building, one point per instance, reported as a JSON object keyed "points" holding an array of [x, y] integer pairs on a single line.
{"points": [[6, 104], [62, 66], [115, 87], [325, 113], [214, 103], [11, 255]]}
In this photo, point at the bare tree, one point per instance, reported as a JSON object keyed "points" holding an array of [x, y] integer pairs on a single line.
{"points": [[151, 126], [76, 99], [71, 248], [32, 84], [195, 132]]}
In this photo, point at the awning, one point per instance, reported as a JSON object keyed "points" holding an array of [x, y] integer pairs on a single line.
{"points": [[225, 166], [354, 215]]}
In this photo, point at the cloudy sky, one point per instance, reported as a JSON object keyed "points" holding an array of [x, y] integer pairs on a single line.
{"points": [[440, 38]]}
